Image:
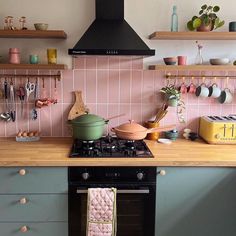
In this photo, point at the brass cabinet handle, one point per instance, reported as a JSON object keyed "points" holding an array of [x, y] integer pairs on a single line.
{"points": [[24, 229], [22, 172], [23, 201], [162, 172]]}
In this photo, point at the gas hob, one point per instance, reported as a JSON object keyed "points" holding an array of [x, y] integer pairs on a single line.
{"points": [[109, 146]]}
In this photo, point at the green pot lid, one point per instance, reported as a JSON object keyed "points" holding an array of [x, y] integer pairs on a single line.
{"points": [[88, 119]]}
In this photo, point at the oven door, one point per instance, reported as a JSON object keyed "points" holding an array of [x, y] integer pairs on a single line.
{"points": [[135, 209]]}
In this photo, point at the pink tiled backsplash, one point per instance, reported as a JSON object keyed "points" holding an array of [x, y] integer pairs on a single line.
{"points": [[111, 86]]}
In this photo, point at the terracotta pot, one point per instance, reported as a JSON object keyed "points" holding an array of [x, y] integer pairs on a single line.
{"points": [[205, 28], [135, 131]]}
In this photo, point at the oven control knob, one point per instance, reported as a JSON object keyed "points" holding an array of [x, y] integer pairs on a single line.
{"points": [[140, 175], [85, 175], [217, 136]]}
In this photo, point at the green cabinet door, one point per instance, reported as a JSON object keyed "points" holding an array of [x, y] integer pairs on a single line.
{"points": [[196, 201], [34, 229]]}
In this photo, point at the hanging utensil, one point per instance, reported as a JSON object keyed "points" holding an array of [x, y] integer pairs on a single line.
{"points": [[21, 94], [43, 95], [55, 94], [12, 101], [29, 88]]}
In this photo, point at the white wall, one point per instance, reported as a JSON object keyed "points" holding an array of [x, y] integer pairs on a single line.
{"points": [[145, 16]]}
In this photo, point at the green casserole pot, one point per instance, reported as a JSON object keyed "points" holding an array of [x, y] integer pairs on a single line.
{"points": [[88, 127]]}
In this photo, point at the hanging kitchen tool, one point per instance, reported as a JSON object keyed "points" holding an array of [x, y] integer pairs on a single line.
{"points": [[34, 113], [78, 108], [43, 95], [29, 88], [55, 94], [135, 131], [21, 94], [12, 105], [6, 116]]}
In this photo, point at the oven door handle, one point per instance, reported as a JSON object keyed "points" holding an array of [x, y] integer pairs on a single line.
{"points": [[136, 191]]}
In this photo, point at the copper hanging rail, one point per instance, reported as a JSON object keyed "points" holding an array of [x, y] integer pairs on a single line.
{"points": [[57, 76], [170, 76]]}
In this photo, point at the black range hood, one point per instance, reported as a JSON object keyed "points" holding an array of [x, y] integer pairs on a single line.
{"points": [[110, 34]]}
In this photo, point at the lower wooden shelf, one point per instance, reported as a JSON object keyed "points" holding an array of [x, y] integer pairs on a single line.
{"points": [[193, 67], [33, 66]]}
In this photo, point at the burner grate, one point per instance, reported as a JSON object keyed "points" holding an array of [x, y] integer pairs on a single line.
{"points": [[110, 147]]}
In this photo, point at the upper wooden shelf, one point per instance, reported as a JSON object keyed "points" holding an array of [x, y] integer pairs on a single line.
{"points": [[33, 66], [193, 67], [57, 34], [193, 35]]}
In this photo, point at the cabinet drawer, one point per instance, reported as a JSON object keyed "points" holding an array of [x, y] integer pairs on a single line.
{"points": [[33, 180], [23, 208], [34, 229]]}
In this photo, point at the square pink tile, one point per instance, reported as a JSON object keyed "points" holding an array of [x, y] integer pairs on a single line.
{"points": [[136, 84], [91, 86], [91, 62], [148, 90], [125, 63], [79, 81], [114, 86], [102, 86], [79, 62], [102, 63], [137, 63], [114, 62], [57, 120], [125, 86], [67, 86]]}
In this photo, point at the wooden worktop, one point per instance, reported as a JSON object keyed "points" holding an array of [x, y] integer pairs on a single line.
{"points": [[54, 152]]}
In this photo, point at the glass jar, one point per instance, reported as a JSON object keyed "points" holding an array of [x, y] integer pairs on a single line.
{"points": [[14, 55]]}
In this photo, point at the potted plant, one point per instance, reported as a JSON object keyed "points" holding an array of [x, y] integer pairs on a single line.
{"points": [[207, 19], [172, 95]]}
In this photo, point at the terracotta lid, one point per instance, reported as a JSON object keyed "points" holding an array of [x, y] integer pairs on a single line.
{"points": [[131, 127]]}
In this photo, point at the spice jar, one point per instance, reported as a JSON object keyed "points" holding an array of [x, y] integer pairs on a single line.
{"points": [[14, 55]]}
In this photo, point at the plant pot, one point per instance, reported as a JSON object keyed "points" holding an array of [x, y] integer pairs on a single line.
{"points": [[205, 28], [173, 102]]}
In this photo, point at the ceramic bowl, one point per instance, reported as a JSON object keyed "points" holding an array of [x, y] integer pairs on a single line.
{"points": [[170, 60], [172, 134], [40, 26], [219, 61]]}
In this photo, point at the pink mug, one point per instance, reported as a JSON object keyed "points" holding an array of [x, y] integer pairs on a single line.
{"points": [[183, 88], [182, 60], [191, 88]]}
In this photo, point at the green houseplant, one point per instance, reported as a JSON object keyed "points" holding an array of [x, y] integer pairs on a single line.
{"points": [[173, 98], [207, 19], [172, 95]]}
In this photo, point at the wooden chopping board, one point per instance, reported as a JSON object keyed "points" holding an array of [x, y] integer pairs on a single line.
{"points": [[78, 108]]}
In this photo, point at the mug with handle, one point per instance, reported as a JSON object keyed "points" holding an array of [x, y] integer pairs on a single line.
{"points": [[226, 96], [214, 91], [202, 91]]}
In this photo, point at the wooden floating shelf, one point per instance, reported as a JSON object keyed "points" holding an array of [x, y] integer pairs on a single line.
{"points": [[193, 67], [193, 35], [33, 66], [57, 34]]}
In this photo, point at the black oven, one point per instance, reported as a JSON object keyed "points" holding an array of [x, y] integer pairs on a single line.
{"points": [[136, 188]]}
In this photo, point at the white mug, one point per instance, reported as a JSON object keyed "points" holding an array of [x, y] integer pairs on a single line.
{"points": [[202, 91], [214, 91], [225, 97]]}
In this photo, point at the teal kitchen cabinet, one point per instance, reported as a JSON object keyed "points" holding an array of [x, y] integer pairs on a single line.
{"points": [[34, 201], [196, 201]]}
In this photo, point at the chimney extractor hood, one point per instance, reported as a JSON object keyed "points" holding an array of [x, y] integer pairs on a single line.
{"points": [[110, 34]]}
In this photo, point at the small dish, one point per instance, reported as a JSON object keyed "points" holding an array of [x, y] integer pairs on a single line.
{"points": [[172, 135], [219, 61], [41, 26], [170, 60], [164, 141]]}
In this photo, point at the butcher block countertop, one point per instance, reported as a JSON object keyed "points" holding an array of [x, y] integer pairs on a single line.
{"points": [[54, 152]]}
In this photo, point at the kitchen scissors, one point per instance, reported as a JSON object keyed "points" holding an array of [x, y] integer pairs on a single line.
{"points": [[29, 88]]}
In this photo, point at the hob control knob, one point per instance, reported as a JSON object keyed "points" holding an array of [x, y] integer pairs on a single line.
{"points": [[140, 175], [217, 136], [162, 172], [85, 175]]}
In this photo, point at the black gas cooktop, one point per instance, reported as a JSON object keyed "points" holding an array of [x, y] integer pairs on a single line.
{"points": [[110, 147]]}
